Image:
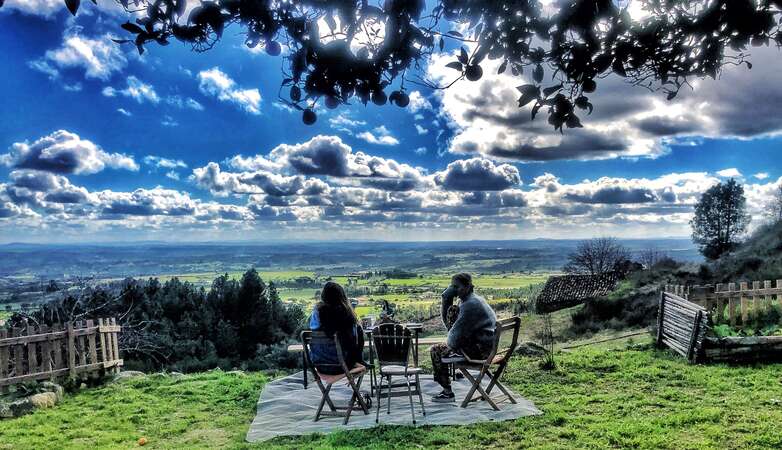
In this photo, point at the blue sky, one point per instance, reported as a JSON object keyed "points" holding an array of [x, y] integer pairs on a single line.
{"points": [[98, 143]]}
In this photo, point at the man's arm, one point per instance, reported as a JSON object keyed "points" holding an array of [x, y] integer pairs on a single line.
{"points": [[447, 301], [463, 328]]}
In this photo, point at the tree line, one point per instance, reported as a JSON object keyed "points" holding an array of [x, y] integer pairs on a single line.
{"points": [[177, 326]]}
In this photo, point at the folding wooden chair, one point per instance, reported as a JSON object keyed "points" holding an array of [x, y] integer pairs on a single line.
{"points": [[392, 342], [353, 377], [493, 366]]}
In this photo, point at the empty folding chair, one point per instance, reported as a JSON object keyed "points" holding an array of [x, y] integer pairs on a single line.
{"points": [[392, 342], [352, 376], [493, 366]]}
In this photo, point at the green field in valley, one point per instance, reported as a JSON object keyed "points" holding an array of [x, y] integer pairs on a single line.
{"points": [[632, 397]]}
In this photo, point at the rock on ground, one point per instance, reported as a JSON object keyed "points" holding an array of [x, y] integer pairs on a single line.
{"points": [[43, 400], [126, 375]]}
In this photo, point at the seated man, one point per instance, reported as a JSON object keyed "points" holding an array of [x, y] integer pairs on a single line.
{"points": [[470, 331]]}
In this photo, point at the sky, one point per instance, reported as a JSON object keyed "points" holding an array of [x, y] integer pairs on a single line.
{"points": [[101, 144]]}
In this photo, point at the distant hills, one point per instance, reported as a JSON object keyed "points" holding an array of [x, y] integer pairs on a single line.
{"points": [[338, 257]]}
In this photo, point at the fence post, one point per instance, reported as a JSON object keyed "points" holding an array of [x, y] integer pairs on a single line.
{"points": [[18, 353], [102, 334], [779, 296], [3, 360], [32, 357], [115, 344], [694, 336], [91, 345], [46, 350], [732, 303], [71, 351], [58, 356], [660, 312], [756, 299], [744, 303]]}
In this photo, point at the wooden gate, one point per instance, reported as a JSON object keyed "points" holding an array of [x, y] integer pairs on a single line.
{"points": [[73, 349]]}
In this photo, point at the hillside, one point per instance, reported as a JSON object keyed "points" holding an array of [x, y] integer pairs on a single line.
{"points": [[635, 397], [758, 258]]}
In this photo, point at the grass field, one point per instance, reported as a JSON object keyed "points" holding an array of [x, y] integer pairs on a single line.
{"points": [[597, 398], [508, 281], [208, 277]]}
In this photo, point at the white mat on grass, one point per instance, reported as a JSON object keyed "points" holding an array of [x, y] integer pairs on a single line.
{"points": [[285, 408]]}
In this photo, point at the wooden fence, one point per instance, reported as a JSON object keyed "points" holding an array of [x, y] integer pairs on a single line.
{"points": [[732, 303], [681, 325], [73, 349]]}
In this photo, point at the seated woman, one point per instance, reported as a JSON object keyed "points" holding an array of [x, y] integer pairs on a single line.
{"points": [[333, 314]]}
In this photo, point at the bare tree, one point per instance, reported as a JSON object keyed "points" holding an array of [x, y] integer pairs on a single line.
{"points": [[651, 256], [596, 256]]}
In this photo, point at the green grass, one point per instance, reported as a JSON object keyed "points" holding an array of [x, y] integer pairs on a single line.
{"points": [[597, 398]]}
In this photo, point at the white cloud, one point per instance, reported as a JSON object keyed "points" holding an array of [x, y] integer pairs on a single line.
{"points": [[478, 174], [729, 173], [44, 67], [182, 103], [65, 152], [136, 89], [172, 175], [216, 83], [420, 151], [761, 175], [418, 102], [165, 163], [124, 112], [420, 129], [378, 136], [343, 122], [169, 121], [627, 122], [99, 57]]}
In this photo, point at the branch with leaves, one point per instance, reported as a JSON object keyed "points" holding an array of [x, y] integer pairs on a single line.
{"points": [[341, 51]]}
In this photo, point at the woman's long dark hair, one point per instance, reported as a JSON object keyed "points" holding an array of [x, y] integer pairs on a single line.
{"points": [[334, 308]]}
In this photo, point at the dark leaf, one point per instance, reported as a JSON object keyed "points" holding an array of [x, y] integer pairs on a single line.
{"points": [[573, 122], [537, 73], [132, 27], [583, 103], [618, 68], [181, 5], [122, 41], [529, 92], [455, 33], [551, 89], [502, 67], [442, 44], [73, 5], [535, 109], [463, 58], [671, 95], [455, 65]]}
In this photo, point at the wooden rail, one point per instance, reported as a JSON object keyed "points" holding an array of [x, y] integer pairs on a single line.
{"points": [[74, 350], [732, 302], [681, 325]]}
